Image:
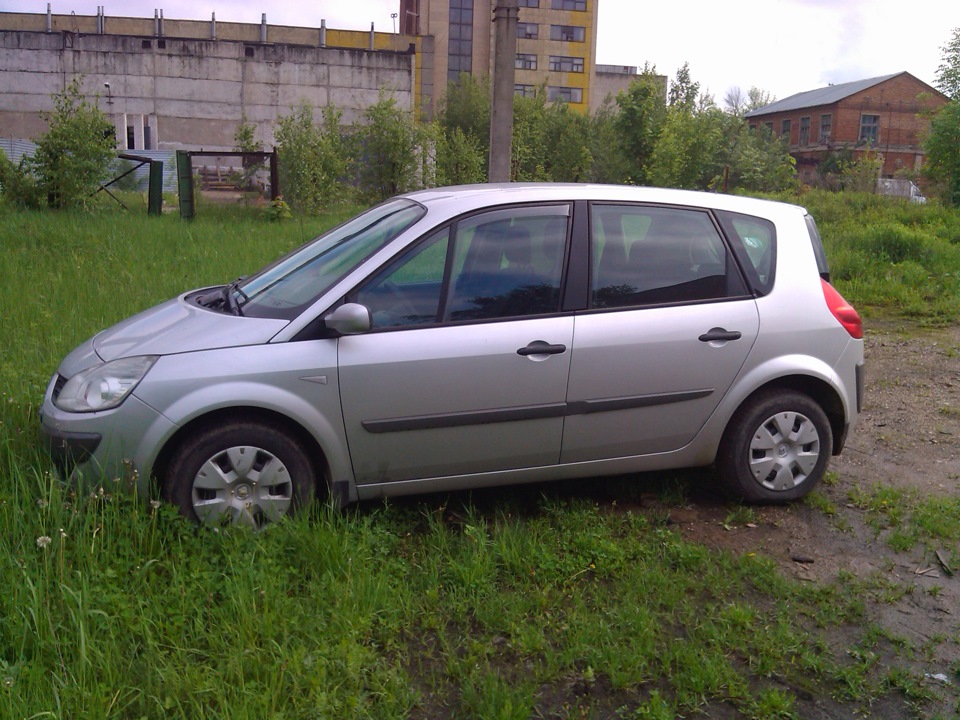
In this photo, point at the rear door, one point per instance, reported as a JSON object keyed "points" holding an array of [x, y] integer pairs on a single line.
{"points": [[670, 325]]}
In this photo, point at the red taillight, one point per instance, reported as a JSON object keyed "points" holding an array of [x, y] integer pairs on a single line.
{"points": [[842, 310]]}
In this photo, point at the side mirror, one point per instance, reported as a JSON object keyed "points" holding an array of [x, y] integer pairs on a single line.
{"points": [[349, 319]]}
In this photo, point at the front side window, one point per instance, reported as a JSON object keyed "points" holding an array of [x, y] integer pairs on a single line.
{"points": [[524, 90], [499, 264], [785, 129], [285, 288], [870, 129], [653, 256], [569, 4], [805, 131], [528, 3]]}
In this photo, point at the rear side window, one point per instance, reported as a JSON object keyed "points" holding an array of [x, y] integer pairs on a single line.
{"points": [[754, 242], [643, 255]]}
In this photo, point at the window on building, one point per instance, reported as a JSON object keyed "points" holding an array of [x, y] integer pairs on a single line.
{"points": [[870, 129], [460, 45], [769, 125], [147, 138], [569, 4], [805, 131], [525, 90], [526, 61], [568, 33], [527, 30], [561, 63], [131, 138], [566, 94], [528, 3], [825, 124], [785, 129]]}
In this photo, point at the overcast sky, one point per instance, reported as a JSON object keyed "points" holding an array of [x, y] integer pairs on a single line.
{"points": [[782, 46]]}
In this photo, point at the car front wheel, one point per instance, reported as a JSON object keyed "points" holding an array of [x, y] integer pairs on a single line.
{"points": [[776, 448], [242, 472]]}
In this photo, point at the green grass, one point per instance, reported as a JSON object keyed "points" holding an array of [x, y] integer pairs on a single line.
{"points": [[887, 255], [532, 602]]}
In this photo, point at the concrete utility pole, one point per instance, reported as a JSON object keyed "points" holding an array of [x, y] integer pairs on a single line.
{"points": [[501, 116]]}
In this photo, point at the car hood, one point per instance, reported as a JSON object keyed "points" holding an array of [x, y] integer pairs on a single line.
{"points": [[179, 326]]}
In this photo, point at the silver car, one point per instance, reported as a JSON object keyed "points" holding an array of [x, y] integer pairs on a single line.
{"points": [[474, 336]]}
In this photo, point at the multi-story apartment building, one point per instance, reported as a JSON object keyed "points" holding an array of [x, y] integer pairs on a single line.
{"points": [[556, 46]]}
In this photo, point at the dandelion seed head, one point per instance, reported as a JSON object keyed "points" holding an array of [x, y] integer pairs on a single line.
{"points": [[43, 541]]}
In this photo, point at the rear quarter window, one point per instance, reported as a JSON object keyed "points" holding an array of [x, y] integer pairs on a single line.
{"points": [[754, 242]]}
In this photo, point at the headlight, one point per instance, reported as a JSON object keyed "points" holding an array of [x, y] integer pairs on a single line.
{"points": [[104, 386]]}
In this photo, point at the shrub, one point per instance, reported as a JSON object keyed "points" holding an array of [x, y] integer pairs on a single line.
{"points": [[312, 159], [72, 158]]}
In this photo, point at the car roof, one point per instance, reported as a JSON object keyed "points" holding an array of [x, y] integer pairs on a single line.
{"points": [[460, 198]]}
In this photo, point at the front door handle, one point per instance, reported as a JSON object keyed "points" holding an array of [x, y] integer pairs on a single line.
{"points": [[719, 334], [539, 347]]}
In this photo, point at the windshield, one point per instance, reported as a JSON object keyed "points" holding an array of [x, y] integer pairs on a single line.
{"points": [[285, 288]]}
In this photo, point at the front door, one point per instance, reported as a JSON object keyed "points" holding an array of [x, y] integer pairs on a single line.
{"points": [[466, 367]]}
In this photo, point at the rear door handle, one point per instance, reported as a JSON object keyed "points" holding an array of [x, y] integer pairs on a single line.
{"points": [[719, 334], [539, 347]]}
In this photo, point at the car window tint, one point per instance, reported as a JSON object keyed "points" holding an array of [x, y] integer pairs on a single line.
{"points": [[408, 292], [508, 263], [755, 243], [647, 256]]}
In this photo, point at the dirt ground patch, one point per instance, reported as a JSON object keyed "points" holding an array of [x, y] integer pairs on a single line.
{"points": [[908, 437]]}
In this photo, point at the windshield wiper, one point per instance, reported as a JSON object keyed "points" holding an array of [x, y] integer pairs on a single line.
{"points": [[230, 298]]}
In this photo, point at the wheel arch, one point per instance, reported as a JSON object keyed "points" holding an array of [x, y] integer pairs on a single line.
{"points": [[220, 416], [820, 391]]}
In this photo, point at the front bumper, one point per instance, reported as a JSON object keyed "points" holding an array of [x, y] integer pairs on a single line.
{"points": [[95, 448]]}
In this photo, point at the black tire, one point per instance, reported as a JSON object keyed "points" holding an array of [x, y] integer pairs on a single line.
{"points": [[776, 448], [242, 472]]}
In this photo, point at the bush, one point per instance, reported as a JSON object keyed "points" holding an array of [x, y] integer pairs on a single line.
{"points": [[71, 159], [312, 159]]}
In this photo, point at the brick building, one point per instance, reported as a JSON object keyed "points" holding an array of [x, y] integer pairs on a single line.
{"points": [[887, 115]]}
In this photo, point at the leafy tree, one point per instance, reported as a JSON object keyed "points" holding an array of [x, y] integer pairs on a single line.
{"points": [[567, 147], [467, 106], [312, 159], [643, 110], [244, 140], [943, 151], [388, 149], [71, 158], [529, 146], [684, 92], [760, 161], [460, 159], [691, 149], [610, 160], [737, 104], [948, 73]]}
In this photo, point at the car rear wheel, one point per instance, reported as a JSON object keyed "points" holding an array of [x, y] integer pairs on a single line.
{"points": [[248, 473], [776, 448]]}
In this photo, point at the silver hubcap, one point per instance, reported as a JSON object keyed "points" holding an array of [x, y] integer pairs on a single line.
{"points": [[784, 451], [244, 485]]}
